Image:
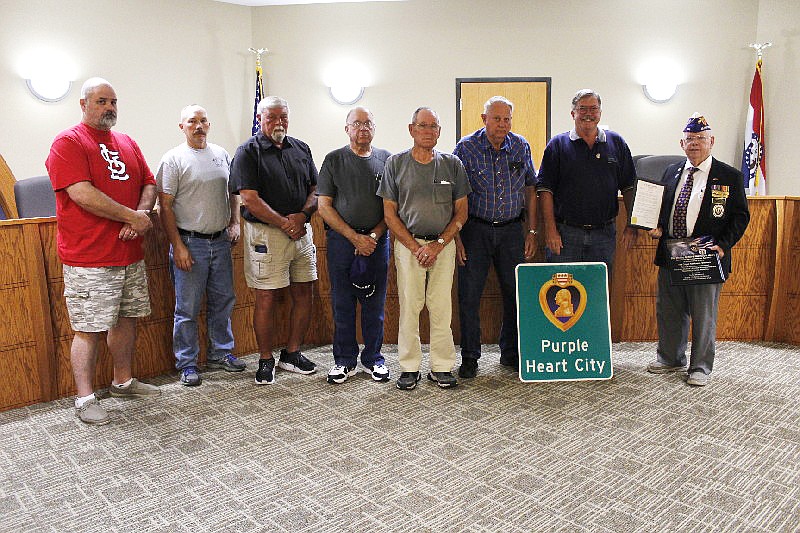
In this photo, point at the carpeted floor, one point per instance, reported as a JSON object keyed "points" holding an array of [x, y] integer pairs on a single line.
{"points": [[638, 453]]}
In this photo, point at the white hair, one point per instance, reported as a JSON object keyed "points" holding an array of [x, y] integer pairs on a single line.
{"points": [[190, 110], [92, 83], [270, 102], [494, 100]]}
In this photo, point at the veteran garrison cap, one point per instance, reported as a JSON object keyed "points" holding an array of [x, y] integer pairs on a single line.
{"points": [[697, 123]]}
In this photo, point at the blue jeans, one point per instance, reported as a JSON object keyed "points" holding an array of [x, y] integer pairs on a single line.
{"points": [[212, 276], [582, 246], [344, 298], [503, 247]]}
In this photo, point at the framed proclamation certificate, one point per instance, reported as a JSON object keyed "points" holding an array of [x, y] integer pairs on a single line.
{"points": [[646, 204]]}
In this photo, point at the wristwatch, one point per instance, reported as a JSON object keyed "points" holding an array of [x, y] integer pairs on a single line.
{"points": [[440, 241], [373, 236], [533, 231]]}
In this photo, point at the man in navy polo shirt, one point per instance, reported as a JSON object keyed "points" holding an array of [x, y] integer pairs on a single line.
{"points": [[581, 173]]}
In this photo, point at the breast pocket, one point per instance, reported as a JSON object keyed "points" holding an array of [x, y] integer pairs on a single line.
{"points": [[443, 193]]}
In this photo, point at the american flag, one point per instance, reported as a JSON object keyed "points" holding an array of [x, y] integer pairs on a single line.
{"points": [[259, 95]]}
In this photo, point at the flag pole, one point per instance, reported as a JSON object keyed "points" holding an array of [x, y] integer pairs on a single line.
{"points": [[259, 87]]}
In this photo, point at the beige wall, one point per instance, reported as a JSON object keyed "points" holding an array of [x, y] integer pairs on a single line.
{"points": [[413, 51], [159, 55], [779, 23]]}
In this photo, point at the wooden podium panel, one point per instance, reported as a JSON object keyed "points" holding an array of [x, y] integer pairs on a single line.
{"points": [[758, 303]]}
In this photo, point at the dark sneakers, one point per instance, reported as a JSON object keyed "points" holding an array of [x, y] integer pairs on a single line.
{"points": [[190, 377], [228, 363], [265, 375], [469, 368], [407, 380], [445, 380], [296, 362]]}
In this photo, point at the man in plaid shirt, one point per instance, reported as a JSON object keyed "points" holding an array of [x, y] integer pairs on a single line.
{"points": [[500, 230]]}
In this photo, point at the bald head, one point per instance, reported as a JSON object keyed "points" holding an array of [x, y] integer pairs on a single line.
{"points": [[99, 104]]}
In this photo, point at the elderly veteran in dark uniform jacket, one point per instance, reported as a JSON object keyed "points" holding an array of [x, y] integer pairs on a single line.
{"points": [[702, 197]]}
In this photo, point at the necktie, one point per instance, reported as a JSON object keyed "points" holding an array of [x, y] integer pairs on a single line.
{"points": [[679, 216]]}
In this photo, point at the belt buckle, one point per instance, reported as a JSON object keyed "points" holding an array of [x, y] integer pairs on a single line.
{"points": [[588, 226]]}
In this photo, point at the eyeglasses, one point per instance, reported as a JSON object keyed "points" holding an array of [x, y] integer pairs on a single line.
{"points": [[358, 124], [424, 126], [587, 108], [696, 139], [277, 118]]}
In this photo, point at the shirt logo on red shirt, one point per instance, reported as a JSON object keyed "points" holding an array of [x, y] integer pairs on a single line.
{"points": [[115, 166]]}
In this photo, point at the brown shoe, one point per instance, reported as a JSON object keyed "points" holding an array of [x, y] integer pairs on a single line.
{"points": [[136, 389], [91, 412]]}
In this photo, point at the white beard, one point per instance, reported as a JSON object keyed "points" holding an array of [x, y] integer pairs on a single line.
{"points": [[278, 136]]}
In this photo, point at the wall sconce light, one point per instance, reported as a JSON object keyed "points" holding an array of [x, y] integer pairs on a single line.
{"points": [[660, 91], [346, 81], [345, 94], [659, 78], [49, 90], [48, 73]]}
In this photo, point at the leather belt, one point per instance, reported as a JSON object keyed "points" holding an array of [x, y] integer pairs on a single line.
{"points": [[360, 231], [496, 224], [198, 235], [425, 237], [586, 226]]}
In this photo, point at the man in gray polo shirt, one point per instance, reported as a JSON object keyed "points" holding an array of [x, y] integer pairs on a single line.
{"points": [[424, 196], [357, 241], [201, 220]]}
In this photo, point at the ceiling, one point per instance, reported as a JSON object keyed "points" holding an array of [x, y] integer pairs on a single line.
{"points": [[289, 2]]}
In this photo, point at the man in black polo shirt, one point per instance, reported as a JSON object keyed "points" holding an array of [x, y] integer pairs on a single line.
{"points": [[581, 173], [277, 180]]}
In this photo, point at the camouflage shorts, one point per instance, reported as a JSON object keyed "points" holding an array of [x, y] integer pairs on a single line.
{"points": [[96, 297]]}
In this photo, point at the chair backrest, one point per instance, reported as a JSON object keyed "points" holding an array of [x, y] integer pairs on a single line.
{"points": [[35, 197], [7, 181], [653, 166]]}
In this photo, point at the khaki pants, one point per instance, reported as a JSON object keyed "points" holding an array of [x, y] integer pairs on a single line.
{"points": [[431, 287]]}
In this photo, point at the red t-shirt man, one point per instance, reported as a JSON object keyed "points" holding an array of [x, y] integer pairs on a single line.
{"points": [[113, 163]]}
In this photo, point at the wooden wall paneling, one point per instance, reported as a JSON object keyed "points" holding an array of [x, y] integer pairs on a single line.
{"points": [[745, 298], [26, 349], [785, 320], [617, 278]]}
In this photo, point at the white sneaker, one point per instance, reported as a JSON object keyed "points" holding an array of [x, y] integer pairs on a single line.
{"points": [[340, 373], [379, 372], [698, 378]]}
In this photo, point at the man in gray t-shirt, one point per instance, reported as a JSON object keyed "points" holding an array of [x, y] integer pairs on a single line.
{"points": [[201, 220], [425, 204], [357, 247]]}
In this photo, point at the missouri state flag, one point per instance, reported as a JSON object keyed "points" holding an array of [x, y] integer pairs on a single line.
{"points": [[259, 96], [754, 156]]}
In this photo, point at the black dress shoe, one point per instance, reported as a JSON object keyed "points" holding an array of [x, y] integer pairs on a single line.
{"points": [[469, 368], [510, 361]]}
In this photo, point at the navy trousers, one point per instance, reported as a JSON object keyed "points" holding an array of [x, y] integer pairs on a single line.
{"points": [[345, 297], [485, 245]]}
